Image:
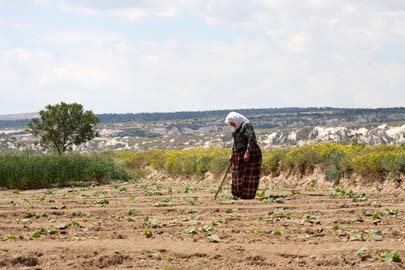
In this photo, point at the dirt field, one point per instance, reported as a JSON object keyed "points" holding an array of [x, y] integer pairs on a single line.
{"points": [[170, 225]]}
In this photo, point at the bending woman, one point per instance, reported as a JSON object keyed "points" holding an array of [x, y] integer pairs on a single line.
{"points": [[246, 158]]}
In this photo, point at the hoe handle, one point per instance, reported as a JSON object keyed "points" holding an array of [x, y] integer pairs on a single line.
{"points": [[223, 180]]}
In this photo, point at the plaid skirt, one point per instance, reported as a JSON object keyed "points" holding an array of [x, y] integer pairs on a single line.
{"points": [[246, 175]]}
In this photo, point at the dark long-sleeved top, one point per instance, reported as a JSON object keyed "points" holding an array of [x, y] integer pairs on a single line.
{"points": [[244, 138]]}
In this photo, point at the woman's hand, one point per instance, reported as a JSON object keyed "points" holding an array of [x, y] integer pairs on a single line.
{"points": [[246, 157]]}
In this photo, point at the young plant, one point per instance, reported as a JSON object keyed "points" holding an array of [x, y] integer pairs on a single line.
{"points": [[214, 238], [363, 253], [390, 256]]}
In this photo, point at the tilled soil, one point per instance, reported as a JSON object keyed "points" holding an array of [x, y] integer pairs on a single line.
{"points": [[171, 225]]}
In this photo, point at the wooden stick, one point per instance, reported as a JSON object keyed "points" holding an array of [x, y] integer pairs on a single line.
{"points": [[223, 180]]}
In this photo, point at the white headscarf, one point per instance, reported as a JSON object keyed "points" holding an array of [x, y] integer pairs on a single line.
{"points": [[237, 118]]}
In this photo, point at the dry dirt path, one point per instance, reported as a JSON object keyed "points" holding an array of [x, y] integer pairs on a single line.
{"points": [[76, 229]]}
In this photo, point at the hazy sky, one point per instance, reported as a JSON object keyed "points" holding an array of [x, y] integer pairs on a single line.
{"points": [[171, 55]]}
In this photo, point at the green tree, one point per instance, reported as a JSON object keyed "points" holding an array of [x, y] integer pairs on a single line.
{"points": [[63, 125]]}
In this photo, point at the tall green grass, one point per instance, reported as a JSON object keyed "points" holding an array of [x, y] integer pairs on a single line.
{"points": [[26, 171]]}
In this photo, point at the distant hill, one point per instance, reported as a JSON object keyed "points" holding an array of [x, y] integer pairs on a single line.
{"points": [[21, 116], [263, 118]]}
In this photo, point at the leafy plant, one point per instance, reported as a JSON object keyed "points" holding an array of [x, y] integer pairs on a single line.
{"points": [[155, 256], [376, 234], [206, 229], [191, 230], [147, 233], [360, 237], [131, 211], [103, 202], [12, 237], [214, 238], [77, 213], [390, 256], [151, 222], [363, 253], [390, 212]]}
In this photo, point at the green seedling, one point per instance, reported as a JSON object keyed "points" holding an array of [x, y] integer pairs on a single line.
{"points": [[147, 233], [166, 202], [376, 204], [14, 203], [193, 217], [77, 213], [31, 215], [261, 194], [295, 193], [193, 200], [151, 222], [63, 226], [363, 253], [155, 256], [229, 210], [76, 224], [130, 219], [121, 189], [214, 238], [359, 197], [99, 193], [12, 237], [103, 202], [276, 232], [188, 189], [151, 192], [255, 231], [335, 227], [206, 229], [390, 212], [311, 217], [72, 192], [376, 234], [133, 199], [50, 192], [358, 238], [216, 223], [191, 230], [131, 211], [36, 234], [272, 200], [390, 256]]}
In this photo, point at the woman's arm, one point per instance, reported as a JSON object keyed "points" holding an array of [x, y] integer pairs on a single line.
{"points": [[251, 136]]}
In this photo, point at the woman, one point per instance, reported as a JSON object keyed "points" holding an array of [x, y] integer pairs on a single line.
{"points": [[246, 158]]}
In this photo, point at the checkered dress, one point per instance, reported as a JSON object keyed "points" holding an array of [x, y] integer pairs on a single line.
{"points": [[245, 175]]}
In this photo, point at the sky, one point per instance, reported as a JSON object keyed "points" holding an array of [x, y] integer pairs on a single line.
{"points": [[120, 56]]}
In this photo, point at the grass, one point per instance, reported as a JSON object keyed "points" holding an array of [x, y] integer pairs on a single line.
{"points": [[27, 171]]}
